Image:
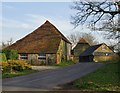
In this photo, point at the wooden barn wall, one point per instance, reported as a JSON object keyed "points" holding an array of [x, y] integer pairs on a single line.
{"points": [[100, 49], [78, 50], [68, 51], [63, 52], [51, 59], [33, 59], [105, 58]]}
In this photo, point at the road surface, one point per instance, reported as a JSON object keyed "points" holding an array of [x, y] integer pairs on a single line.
{"points": [[49, 79]]}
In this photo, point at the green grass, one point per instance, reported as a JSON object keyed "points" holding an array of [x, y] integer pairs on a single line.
{"points": [[105, 79], [14, 74], [65, 63]]}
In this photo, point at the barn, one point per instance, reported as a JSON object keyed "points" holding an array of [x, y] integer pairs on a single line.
{"points": [[45, 45], [97, 53], [81, 46]]}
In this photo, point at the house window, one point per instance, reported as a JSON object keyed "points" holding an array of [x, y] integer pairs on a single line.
{"points": [[24, 56], [42, 56]]}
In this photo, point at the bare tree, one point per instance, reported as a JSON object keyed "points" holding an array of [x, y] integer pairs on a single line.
{"points": [[89, 38], [113, 32], [9, 42], [94, 13], [75, 37], [102, 16], [3, 45]]}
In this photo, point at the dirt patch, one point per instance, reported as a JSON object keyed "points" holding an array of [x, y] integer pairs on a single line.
{"points": [[68, 86]]}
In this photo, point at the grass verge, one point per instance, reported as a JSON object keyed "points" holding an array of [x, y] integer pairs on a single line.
{"points": [[105, 79], [14, 74]]}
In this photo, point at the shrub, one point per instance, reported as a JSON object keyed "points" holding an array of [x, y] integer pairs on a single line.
{"points": [[5, 67], [3, 57], [15, 65], [13, 55], [10, 54], [7, 53]]}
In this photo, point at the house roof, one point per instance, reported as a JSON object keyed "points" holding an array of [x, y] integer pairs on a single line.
{"points": [[90, 50], [44, 39], [82, 40]]}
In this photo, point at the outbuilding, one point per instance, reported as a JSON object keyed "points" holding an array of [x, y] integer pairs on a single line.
{"points": [[81, 46], [97, 53]]}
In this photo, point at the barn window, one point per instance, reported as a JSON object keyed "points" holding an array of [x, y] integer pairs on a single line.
{"points": [[24, 56], [42, 56], [107, 54], [103, 47], [110, 54]]}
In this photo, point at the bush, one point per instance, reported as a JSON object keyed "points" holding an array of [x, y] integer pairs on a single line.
{"points": [[15, 65], [13, 55], [7, 53], [3, 57], [10, 54], [5, 67]]}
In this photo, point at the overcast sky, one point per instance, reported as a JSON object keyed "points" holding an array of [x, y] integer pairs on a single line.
{"points": [[21, 18]]}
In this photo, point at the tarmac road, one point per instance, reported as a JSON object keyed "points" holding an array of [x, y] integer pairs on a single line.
{"points": [[49, 79]]}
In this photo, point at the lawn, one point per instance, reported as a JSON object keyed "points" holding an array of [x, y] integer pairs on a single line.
{"points": [[106, 78], [14, 74]]}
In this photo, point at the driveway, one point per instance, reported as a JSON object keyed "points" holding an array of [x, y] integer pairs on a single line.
{"points": [[49, 79], [41, 68]]}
